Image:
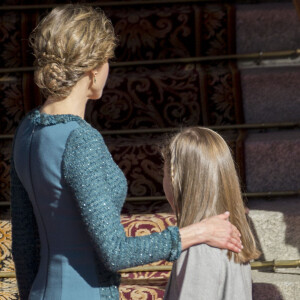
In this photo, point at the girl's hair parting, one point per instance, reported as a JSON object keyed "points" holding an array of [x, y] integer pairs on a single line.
{"points": [[205, 183]]}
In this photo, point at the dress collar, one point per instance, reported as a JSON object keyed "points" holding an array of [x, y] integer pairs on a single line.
{"points": [[46, 119]]}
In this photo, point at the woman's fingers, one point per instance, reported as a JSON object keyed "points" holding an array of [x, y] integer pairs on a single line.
{"points": [[224, 216], [233, 247], [235, 232], [215, 231], [236, 242], [222, 234], [232, 239]]}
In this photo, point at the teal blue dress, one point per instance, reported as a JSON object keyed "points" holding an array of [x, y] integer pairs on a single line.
{"points": [[67, 194]]}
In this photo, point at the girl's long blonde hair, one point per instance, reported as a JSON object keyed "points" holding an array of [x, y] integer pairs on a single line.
{"points": [[205, 183]]}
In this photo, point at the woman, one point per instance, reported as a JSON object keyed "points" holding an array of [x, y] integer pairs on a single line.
{"points": [[200, 181], [67, 192]]}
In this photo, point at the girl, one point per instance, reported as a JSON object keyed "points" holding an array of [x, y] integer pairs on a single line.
{"points": [[200, 181]]}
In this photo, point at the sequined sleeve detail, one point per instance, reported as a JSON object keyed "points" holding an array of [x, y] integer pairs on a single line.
{"points": [[24, 236], [97, 185]]}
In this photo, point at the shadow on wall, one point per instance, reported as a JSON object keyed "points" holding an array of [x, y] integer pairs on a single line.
{"points": [[258, 244], [266, 291], [276, 226], [292, 231]]}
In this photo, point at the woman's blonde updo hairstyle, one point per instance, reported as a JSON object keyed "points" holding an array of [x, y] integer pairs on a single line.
{"points": [[68, 42]]}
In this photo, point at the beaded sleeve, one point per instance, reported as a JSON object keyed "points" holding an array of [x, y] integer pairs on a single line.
{"points": [[24, 236], [86, 163]]}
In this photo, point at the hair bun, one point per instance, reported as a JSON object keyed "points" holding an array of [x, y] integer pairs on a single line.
{"points": [[53, 78], [44, 58]]}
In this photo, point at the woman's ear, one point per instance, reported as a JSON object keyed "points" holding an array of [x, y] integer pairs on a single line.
{"points": [[92, 75]]}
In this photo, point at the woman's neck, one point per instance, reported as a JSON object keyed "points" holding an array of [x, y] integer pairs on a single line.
{"points": [[73, 104], [64, 106]]}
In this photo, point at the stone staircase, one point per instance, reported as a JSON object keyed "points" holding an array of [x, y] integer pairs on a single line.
{"points": [[272, 157], [143, 103]]}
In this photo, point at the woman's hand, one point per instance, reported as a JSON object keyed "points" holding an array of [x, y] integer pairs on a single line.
{"points": [[215, 231]]}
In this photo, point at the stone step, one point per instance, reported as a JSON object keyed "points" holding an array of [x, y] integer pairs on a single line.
{"points": [[276, 225], [267, 27], [272, 161], [271, 95], [281, 285]]}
